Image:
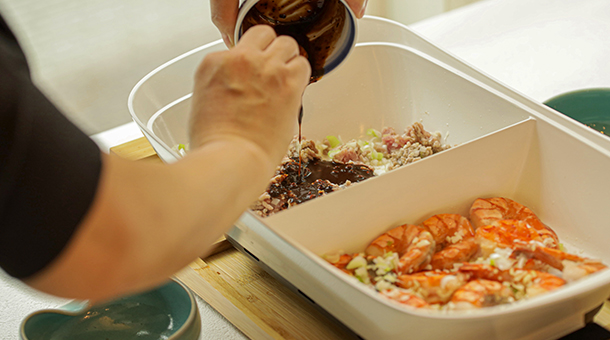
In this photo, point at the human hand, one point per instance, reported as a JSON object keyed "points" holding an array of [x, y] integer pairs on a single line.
{"points": [[252, 93], [224, 15]]}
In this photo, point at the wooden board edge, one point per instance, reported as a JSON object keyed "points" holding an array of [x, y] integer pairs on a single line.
{"points": [[192, 279], [219, 246], [137, 149]]}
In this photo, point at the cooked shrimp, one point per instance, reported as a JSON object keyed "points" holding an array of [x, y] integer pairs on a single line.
{"points": [[405, 297], [481, 293], [433, 286], [572, 266], [526, 283], [543, 282], [485, 271], [341, 262], [413, 244], [485, 211], [505, 234], [454, 239]]}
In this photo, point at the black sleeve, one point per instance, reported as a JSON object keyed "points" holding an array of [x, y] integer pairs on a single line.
{"points": [[49, 169]]}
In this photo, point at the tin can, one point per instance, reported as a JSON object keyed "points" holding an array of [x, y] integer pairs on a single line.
{"points": [[324, 29]]}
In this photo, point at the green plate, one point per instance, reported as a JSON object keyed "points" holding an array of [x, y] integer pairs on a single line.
{"points": [[589, 106], [168, 312]]}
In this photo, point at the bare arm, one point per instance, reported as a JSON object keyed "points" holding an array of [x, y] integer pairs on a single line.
{"points": [[149, 220]]}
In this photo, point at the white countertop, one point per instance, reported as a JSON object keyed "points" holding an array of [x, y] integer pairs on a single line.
{"points": [[538, 47], [18, 300]]}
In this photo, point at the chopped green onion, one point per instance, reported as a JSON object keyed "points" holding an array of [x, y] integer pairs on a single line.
{"points": [[181, 146], [363, 144], [373, 133], [561, 248], [492, 263], [334, 141], [333, 152]]}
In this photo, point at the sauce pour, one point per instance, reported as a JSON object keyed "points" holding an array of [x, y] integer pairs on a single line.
{"points": [[317, 26]]}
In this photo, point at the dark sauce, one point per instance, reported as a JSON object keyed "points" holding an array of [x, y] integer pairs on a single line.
{"points": [[315, 24], [300, 125], [313, 179]]}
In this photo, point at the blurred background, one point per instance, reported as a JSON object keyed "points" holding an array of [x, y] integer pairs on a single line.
{"points": [[87, 55]]}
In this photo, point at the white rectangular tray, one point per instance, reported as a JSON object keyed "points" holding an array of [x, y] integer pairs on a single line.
{"points": [[507, 145]]}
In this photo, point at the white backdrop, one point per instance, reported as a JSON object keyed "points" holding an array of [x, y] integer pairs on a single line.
{"points": [[87, 55]]}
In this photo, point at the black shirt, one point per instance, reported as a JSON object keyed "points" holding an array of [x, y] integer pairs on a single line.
{"points": [[49, 169]]}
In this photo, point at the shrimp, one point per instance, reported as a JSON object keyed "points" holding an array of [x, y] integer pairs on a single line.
{"points": [[481, 293], [525, 283], [543, 282], [434, 286], [485, 271], [572, 266], [486, 211], [405, 297], [341, 261], [454, 239], [505, 234], [414, 245]]}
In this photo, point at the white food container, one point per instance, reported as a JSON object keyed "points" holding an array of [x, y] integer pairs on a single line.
{"points": [[509, 146]]}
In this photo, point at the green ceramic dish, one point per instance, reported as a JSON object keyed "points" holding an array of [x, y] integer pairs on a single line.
{"points": [[590, 107], [168, 312]]}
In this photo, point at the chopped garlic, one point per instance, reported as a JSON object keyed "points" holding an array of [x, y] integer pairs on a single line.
{"points": [[363, 275], [356, 262], [383, 285]]}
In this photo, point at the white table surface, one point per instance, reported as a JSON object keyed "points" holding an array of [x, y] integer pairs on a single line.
{"points": [[538, 47]]}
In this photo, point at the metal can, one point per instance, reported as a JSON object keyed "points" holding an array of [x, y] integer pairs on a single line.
{"points": [[325, 29]]}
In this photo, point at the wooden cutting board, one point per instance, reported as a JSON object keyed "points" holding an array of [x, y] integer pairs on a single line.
{"points": [[252, 300]]}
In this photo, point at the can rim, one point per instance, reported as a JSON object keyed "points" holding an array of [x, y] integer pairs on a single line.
{"points": [[351, 39]]}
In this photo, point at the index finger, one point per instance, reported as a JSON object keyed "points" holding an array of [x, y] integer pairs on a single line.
{"points": [[358, 6], [224, 16], [259, 36]]}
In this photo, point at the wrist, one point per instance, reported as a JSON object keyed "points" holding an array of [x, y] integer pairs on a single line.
{"points": [[236, 147], [239, 146]]}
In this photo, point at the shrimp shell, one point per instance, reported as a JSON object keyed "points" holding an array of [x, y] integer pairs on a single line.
{"points": [[533, 282], [454, 239], [542, 283], [572, 266], [434, 286], [486, 211], [405, 297], [505, 234], [481, 293], [413, 244]]}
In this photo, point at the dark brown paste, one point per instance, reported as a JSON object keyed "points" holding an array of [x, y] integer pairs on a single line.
{"points": [[315, 178]]}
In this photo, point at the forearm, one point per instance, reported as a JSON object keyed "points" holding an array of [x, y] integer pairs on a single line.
{"points": [[149, 220]]}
